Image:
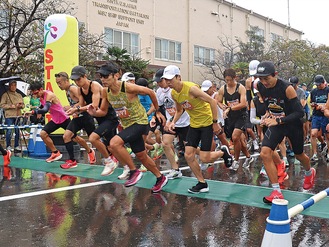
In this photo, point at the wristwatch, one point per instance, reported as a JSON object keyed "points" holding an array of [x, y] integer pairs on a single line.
{"points": [[215, 121]]}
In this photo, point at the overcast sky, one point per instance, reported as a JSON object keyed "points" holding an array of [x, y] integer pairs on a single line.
{"points": [[309, 16]]}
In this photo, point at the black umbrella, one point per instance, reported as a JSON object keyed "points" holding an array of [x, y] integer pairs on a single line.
{"points": [[4, 87]]}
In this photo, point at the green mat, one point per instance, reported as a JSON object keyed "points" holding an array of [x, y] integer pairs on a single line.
{"points": [[222, 191]]}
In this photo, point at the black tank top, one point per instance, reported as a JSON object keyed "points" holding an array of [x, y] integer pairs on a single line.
{"points": [[111, 114], [275, 98], [234, 99]]}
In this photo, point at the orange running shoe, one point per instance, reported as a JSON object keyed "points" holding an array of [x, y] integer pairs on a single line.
{"points": [[54, 156]]}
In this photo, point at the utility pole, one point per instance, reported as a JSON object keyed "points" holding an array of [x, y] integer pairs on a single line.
{"points": [[288, 14]]}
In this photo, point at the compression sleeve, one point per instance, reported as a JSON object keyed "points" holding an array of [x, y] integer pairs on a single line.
{"points": [[297, 111], [44, 110], [253, 118]]}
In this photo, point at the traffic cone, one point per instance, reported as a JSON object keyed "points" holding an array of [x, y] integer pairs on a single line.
{"points": [[277, 232], [30, 145], [39, 146]]}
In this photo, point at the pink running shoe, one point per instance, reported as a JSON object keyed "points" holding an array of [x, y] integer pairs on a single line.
{"points": [[133, 178]]}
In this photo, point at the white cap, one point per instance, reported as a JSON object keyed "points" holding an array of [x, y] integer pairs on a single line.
{"points": [[253, 67], [170, 72], [206, 85], [127, 76]]}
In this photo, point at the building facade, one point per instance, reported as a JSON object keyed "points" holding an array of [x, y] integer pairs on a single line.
{"points": [[181, 32]]}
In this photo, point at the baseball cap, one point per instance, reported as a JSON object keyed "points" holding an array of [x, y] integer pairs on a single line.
{"points": [[304, 85], [62, 74], [127, 76], [253, 67], [294, 80], [170, 72], [265, 68], [206, 85], [77, 72], [107, 69], [319, 79], [142, 82], [158, 75]]}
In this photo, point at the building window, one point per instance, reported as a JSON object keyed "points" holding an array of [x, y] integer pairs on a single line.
{"points": [[168, 50], [204, 56], [276, 37], [123, 40], [258, 31]]}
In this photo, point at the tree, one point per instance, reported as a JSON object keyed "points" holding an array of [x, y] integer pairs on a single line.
{"points": [[253, 49], [21, 36], [126, 62]]}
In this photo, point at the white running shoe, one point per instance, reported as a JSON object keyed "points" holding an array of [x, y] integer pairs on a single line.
{"points": [[110, 166], [174, 174], [125, 173], [255, 144], [247, 162], [234, 166]]}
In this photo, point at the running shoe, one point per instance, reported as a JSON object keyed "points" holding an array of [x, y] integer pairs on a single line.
{"points": [[125, 173], [134, 177], [282, 178], [54, 157], [174, 174], [281, 168], [92, 157], [314, 157], [228, 160], [309, 180], [247, 162], [199, 188], [109, 166], [160, 184], [6, 158], [234, 166], [255, 144], [274, 195], [69, 164], [158, 153]]}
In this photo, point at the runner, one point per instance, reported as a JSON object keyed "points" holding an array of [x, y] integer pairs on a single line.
{"points": [[203, 123], [90, 93], [123, 97], [284, 112], [232, 100], [181, 126]]}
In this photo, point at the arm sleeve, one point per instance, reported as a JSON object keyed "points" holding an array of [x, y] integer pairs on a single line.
{"points": [[297, 111], [44, 110], [253, 119]]}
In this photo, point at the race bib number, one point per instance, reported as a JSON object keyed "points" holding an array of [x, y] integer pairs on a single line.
{"points": [[187, 105], [122, 112], [171, 111]]}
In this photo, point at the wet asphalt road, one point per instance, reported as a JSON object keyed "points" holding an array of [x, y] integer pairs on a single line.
{"points": [[112, 215]]}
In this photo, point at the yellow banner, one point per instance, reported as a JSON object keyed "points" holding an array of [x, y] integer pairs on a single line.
{"points": [[61, 52]]}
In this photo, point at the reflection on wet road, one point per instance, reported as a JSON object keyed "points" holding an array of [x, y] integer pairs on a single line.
{"points": [[112, 215]]}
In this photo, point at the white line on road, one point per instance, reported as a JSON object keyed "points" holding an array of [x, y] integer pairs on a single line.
{"points": [[43, 192]]}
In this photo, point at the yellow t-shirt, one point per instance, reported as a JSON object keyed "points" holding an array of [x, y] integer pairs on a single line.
{"points": [[199, 110]]}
